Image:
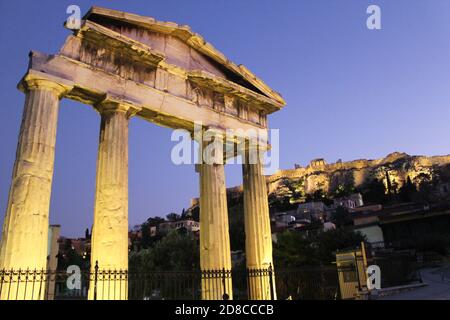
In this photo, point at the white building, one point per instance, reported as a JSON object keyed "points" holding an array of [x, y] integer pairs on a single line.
{"points": [[189, 225]]}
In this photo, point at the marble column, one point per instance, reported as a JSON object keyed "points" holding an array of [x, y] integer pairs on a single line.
{"points": [[258, 237], [109, 242], [215, 255], [25, 229]]}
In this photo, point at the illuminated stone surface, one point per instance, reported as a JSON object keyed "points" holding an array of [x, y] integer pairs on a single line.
{"points": [[123, 64], [25, 229], [358, 172], [214, 236], [258, 235], [109, 242]]}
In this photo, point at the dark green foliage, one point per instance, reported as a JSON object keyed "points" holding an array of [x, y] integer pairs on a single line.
{"points": [[294, 249], [147, 240], [173, 217], [319, 196], [277, 203], [374, 192], [344, 190], [289, 193], [341, 217], [195, 213], [69, 256], [177, 251], [331, 241], [407, 191]]}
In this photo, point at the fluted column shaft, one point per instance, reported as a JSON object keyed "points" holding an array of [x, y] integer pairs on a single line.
{"points": [[25, 229], [258, 237], [109, 242], [214, 235]]}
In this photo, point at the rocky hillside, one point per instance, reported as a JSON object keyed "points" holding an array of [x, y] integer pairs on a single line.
{"points": [[393, 170]]}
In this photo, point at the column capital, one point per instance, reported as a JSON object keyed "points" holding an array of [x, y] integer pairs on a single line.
{"points": [[38, 81], [112, 105]]}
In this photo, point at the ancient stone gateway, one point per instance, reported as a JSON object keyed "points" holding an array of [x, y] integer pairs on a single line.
{"points": [[126, 65]]}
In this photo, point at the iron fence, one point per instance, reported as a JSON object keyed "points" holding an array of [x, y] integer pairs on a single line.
{"points": [[33, 284], [164, 285], [307, 283], [304, 283]]}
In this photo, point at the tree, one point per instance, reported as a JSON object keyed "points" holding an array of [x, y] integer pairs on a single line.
{"points": [[68, 256], [344, 190], [375, 192], [287, 195], [147, 239], [177, 251], [173, 217], [277, 203], [195, 213], [318, 196], [341, 217], [295, 249], [407, 191], [426, 187], [338, 239]]}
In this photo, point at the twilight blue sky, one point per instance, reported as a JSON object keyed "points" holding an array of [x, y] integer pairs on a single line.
{"points": [[351, 92]]}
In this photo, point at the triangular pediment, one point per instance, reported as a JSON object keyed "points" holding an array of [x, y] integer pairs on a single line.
{"points": [[179, 46]]}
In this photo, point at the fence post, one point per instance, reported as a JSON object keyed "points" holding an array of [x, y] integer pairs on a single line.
{"points": [[41, 279], [224, 282], [95, 279], [1, 281], [248, 275], [271, 282]]}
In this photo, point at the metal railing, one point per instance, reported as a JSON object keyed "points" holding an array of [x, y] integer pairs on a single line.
{"points": [[307, 283], [303, 283], [33, 284]]}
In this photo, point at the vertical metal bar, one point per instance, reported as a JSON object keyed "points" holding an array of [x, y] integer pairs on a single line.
{"points": [[114, 284], [40, 282], [95, 279], [126, 284], [357, 271], [109, 285], [249, 283], [18, 283], [26, 282], [2, 279], [272, 296], [10, 281], [121, 297], [47, 274], [224, 283], [35, 271]]}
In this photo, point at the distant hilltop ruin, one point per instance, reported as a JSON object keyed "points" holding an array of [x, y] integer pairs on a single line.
{"points": [[394, 169]]}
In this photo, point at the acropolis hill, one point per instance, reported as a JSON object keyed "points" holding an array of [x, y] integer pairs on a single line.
{"points": [[320, 175]]}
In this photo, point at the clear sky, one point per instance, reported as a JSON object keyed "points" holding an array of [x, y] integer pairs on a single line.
{"points": [[351, 92]]}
